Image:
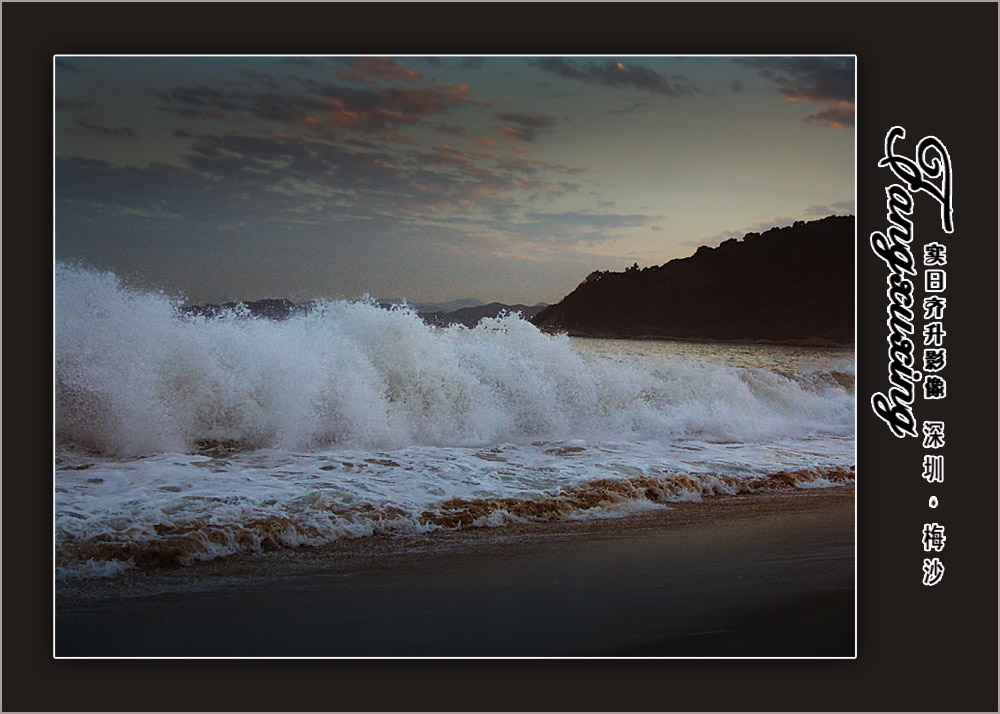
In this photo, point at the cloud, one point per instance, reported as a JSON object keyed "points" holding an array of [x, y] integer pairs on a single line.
{"points": [[199, 102], [302, 62], [452, 129], [820, 80], [89, 186], [631, 109], [176, 215], [429, 100], [526, 126], [825, 80], [119, 132], [72, 105], [362, 143], [296, 147], [517, 164], [203, 96], [449, 156], [535, 121], [371, 69], [219, 188], [834, 117], [191, 113], [397, 139], [840, 207], [323, 106], [65, 65], [374, 179], [271, 162], [261, 78], [552, 191], [618, 74]]}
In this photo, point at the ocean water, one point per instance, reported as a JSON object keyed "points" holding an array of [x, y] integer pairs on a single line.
{"points": [[182, 438]]}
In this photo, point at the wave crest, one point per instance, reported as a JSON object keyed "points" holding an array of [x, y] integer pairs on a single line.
{"points": [[135, 375]]}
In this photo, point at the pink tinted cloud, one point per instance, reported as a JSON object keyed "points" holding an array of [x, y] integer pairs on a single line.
{"points": [[397, 139], [483, 191], [515, 133], [449, 156], [371, 69], [390, 107], [835, 117], [429, 100]]}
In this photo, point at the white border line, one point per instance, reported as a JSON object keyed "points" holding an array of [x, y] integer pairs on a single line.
{"points": [[570, 658]]}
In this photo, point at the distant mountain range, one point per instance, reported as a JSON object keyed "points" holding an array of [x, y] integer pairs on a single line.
{"points": [[469, 312], [448, 306], [789, 285]]}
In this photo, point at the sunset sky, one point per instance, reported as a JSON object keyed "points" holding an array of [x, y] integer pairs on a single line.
{"points": [[435, 178]]}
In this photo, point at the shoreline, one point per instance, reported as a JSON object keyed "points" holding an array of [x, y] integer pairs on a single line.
{"points": [[768, 574], [813, 342]]}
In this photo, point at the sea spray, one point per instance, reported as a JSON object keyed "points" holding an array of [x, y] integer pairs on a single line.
{"points": [[134, 376]]}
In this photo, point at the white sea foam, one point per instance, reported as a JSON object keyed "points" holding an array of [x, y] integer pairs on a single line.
{"points": [[134, 377], [352, 420]]}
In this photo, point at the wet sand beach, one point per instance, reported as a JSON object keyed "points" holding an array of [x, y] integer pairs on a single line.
{"points": [[768, 574]]}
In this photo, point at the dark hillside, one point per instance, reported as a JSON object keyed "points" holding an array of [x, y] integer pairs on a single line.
{"points": [[793, 284]]}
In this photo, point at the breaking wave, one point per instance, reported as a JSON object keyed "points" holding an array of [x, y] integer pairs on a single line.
{"points": [[135, 376]]}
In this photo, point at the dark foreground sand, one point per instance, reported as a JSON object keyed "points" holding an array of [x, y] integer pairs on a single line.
{"points": [[760, 575]]}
